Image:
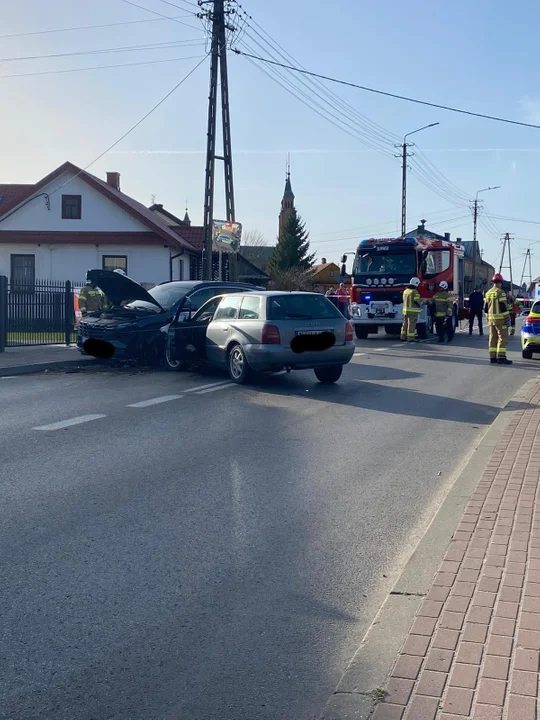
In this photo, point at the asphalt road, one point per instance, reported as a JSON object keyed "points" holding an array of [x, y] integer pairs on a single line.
{"points": [[219, 554]]}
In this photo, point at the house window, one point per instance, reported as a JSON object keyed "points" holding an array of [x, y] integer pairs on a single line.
{"points": [[71, 207], [115, 262], [23, 272]]}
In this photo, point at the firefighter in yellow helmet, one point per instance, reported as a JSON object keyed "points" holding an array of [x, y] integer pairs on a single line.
{"points": [[412, 306], [90, 299], [498, 313], [443, 306]]}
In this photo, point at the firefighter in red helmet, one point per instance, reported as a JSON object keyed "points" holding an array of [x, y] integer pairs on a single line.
{"points": [[498, 313]]}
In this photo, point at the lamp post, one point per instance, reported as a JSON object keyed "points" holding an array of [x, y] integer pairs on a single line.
{"points": [[475, 223], [404, 157]]}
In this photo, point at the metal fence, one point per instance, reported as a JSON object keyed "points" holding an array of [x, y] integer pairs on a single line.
{"points": [[38, 312]]}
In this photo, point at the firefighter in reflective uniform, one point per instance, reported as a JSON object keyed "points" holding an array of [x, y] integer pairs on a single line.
{"points": [[412, 305], [498, 313], [514, 312], [90, 299], [443, 305]]}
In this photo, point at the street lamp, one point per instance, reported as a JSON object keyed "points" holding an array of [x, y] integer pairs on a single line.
{"points": [[475, 222], [404, 156]]}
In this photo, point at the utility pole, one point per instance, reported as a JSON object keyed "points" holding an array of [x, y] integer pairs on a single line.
{"points": [[475, 225], [404, 156], [509, 266], [218, 52], [529, 275]]}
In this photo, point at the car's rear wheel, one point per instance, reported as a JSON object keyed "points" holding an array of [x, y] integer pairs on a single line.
{"points": [[170, 362], [238, 366], [328, 375], [361, 332], [527, 354]]}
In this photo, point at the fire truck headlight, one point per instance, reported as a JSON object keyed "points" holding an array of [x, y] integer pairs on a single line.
{"points": [[355, 309]]}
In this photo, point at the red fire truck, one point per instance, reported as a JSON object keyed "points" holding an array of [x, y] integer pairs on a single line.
{"points": [[384, 267]]}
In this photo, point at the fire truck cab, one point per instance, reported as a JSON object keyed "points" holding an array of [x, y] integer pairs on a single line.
{"points": [[383, 268]]}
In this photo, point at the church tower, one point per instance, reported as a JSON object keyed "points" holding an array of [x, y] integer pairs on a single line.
{"points": [[287, 203]]}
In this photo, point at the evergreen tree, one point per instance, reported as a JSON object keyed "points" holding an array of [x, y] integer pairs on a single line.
{"points": [[292, 249]]}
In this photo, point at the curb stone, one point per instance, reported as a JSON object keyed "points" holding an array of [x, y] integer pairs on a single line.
{"points": [[372, 663]]}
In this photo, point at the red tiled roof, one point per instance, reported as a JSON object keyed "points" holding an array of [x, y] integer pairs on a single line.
{"points": [[18, 193], [78, 237], [322, 266], [12, 195], [193, 234]]}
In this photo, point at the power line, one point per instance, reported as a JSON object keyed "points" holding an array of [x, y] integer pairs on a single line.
{"points": [[155, 12], [89, 27], [100, 67], [128, 48], [133, 127], [519, 220], [385, 93]]}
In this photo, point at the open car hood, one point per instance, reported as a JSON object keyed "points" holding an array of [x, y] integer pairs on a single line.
{"points": [[119, 288]]}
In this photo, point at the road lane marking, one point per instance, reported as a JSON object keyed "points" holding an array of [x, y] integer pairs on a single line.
{"points": [[213, 389], [68, 423], [204, 387], [155, 401]]}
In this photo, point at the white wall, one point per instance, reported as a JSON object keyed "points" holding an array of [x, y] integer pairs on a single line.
{"points": [[99, 214], [145, 263]]}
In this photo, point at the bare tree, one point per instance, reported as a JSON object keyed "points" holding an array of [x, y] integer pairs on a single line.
{"points": [[292, 279], [254, 238]]}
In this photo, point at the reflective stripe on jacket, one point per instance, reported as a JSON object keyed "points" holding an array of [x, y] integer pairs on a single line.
{"points": [[412, 302], [443, 303], [496, 305], [90, 300]]}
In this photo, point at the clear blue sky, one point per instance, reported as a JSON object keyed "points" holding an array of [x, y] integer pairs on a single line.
{"points": [[483, 56]]}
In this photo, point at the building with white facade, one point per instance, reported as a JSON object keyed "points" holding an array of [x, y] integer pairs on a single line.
{"points": [[71, 221]]}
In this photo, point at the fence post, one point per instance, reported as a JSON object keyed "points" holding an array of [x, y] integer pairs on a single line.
{"points": [[3, 312], [69, 312]]}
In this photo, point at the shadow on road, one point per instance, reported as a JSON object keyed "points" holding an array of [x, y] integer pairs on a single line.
{"points": [[380, 398]]}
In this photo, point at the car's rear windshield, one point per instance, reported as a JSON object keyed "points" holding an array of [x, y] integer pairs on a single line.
{"points": [[166, 295], [302, 307]]}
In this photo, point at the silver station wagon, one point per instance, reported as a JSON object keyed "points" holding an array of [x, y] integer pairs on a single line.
{"points": [[253, 332]]}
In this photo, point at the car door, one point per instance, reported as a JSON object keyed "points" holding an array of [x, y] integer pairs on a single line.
{"points": [[188, 335], [220, 329]]}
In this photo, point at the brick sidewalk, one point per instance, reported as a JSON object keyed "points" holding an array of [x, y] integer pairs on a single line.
{"points": [[473, 650]]}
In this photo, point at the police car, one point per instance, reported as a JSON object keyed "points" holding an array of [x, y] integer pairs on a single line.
{"points": [[530, 332]]}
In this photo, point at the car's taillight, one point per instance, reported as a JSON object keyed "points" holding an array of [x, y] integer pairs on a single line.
{"points": [[270, 335], [348, 332]]}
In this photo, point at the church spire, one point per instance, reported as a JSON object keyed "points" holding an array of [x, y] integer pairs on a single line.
{"points": [[187, 220], [287, 202]]}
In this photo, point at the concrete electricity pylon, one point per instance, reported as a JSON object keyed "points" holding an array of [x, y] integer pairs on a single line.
{"points": [[217, 14]]}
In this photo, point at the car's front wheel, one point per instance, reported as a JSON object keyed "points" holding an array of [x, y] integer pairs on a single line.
{"points": [[527, 354], [328, 375], [170, 362], [238, 366]]}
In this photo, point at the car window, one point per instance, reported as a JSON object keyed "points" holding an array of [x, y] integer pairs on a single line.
{"points": [[209, 308], [305, 307], [250, 308], [228, 308], [198, 298]]}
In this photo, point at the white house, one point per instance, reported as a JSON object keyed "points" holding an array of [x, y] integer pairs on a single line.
{"points": [[71, 221]]}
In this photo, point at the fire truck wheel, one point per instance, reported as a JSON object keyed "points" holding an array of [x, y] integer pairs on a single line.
{"points": [[421, 331], [361, 332]]}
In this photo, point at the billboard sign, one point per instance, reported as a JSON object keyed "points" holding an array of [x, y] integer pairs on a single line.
{"points": [[226, 236]]}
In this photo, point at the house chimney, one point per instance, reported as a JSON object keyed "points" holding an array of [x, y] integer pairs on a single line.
{"points": [[458, 240], [323, 260], [113, 179], [447, 237]]}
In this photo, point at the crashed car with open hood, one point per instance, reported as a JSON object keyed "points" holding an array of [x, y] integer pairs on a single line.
{"points": [[130, 327]]}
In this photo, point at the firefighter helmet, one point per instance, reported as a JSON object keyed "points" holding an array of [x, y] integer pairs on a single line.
{"points": [[497, 278], [415, 281], [443, 285]]}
